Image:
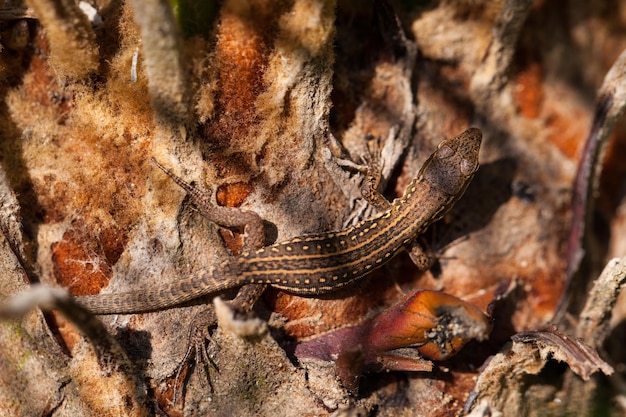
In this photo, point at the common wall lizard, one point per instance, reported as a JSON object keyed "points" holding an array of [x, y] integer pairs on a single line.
{"points": [[321, 263]]}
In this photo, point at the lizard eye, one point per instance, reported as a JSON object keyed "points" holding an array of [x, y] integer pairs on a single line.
{"points": [[467, 167], [444, 151]]}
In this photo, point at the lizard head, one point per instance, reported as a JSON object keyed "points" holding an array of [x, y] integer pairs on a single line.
{"points": [[452, 166]]}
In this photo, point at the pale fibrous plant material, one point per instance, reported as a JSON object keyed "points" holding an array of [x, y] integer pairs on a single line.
{"points": [[308, 118]]}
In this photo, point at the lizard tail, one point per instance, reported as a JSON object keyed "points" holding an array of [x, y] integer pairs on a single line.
{"points": [[153, 299]]}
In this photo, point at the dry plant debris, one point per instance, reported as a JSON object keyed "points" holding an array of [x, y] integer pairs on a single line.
{"points": [[263, 103]]}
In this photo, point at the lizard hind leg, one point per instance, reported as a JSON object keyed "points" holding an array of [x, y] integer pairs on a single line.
{"points": [[426, 254], [200, 337], [197, 352], [234, 217]]}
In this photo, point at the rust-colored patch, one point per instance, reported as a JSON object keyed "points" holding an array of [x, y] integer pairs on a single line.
{"points": [[65, 330], [311, 316], [563, 132], [232, 240], [233, 195], [83, 262], [241, 54], [457, 385], [113, 241], [164, 395], [41, 84], [564, 120], [613, 171], [528, 91], [546, 289]]}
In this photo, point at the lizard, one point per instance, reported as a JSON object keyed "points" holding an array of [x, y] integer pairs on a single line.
{"points": [[321, 263]]}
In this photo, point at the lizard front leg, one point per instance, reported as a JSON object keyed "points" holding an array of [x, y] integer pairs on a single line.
{"points": [[421, 257]]}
